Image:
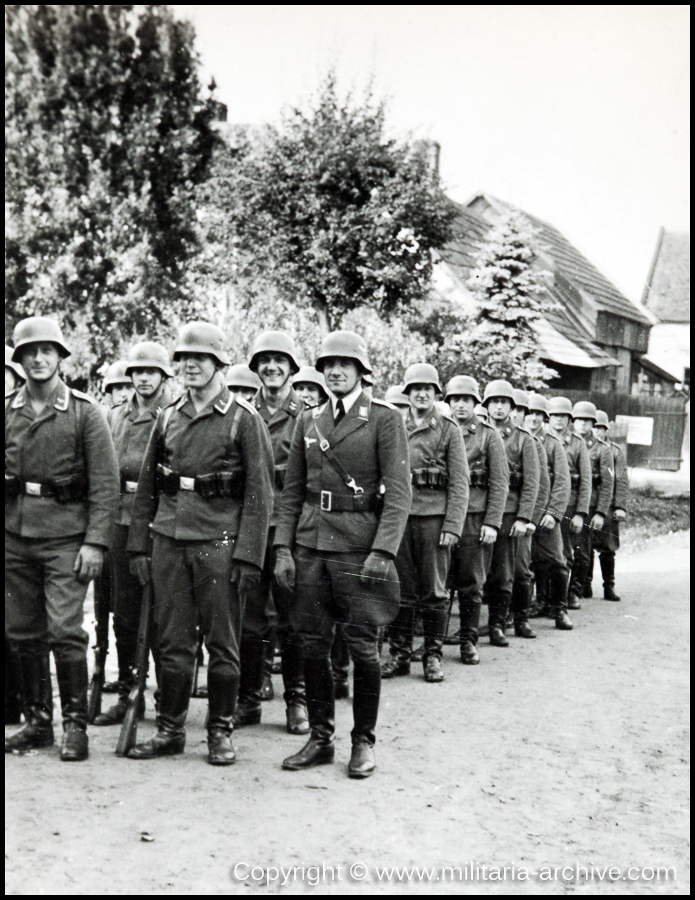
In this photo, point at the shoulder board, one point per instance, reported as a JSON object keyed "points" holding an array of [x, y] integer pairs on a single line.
{"points": [[449, 418], [244, 404], [384, 403], [82, 396], [483, 424], [174, 402]]}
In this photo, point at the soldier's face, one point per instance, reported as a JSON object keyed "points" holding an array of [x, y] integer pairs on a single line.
{"points": [[311, 395], [558, 423], [462, 407], [341, 374], [197, 369], [534, 422], [40, 361], [518, 416], [499, 408], [120, 393], [422, 396], [582, 427], [147, 381], [274, 370]]}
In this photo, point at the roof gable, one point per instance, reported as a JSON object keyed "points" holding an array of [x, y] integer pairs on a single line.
{"points": [[667, 291]]}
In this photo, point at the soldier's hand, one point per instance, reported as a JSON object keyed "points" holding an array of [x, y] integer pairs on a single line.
{"points": [[88, 563], [284, 570], [376, 567], [530, 529], [488, 534], [140, 567], [518, 529], [547, 523], [597, 522], [447, 539], [245, 577], [619, 514], [576, 524]]}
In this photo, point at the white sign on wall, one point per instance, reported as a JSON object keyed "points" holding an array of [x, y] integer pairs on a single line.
{"points": [[640, 429]]}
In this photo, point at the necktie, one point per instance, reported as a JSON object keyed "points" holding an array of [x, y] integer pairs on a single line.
{"points": [[339, 411]]}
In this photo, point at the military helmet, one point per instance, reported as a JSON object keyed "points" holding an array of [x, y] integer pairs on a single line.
{"points": [[240, 376], [602, 419], [202, 337], [481, 411], [347, 344], [310, 375], [520, 399], [14, 367], [149, 355], [37, 329], [395, 396], [537, 404], [499, 388], [584, 409], [274, 342], [560, 406], [463, 386], [421, 373], [116, 374], [368, 379]]}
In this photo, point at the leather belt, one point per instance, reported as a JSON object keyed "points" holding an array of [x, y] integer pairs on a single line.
{"points": [[330, 501]]}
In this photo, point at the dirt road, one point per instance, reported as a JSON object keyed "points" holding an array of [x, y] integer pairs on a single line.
{"points": [[568, 750]]}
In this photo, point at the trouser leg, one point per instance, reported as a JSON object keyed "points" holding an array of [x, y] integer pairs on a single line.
{"points": [[523, 582], [433, 564], [500, 579], [473, 565], [362, 643], [582, 556], [340, 656], [401, 629]]}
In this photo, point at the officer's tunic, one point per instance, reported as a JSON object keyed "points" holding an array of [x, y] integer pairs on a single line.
{"points": [[69, 438]]}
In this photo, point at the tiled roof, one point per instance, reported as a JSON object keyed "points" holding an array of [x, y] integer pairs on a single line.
{"points": [[667, 292]]}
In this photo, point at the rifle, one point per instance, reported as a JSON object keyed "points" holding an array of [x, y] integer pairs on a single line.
{"points": [[129, 728], [196, 692], [102, 604]]}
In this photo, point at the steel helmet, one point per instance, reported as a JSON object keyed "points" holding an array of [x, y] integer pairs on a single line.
{"points": [[421, 373], [395, 396], [462, 386], [347, 344], [498, 388], [481, 411], [116, 374], [240, 376], [34, 330], [149, 355], [368, 379], [537, 404], [560, 406], [520, 399], [202, 337], [274, 342], [310, 375], [15, 367], [584, 409], [602, 419]]}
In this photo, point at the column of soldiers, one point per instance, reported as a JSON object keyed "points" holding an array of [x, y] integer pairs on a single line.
{"points": [[269, 503]]}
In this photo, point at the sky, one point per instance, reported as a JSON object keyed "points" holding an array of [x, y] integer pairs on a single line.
{"points": [[576, 114]]}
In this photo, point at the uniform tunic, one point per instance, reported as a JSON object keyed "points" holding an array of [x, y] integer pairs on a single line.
{"points": [[602, 483], [580, 490]]}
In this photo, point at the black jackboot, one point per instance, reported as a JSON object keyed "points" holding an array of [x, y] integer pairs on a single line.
{"points": [[558, 583], [607, 561], [13, 687], [33, 666], [222, 692], [587, 587], [469, 611], [320, 700], [267, 690], [175, 695], [340, 663], [433, 626], [365, 709], [497, 618], [114, 715], [252, 654], [400, 643], [73, 684], [521, 603], [293, 681]]}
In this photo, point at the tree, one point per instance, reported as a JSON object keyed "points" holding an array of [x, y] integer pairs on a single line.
{"points": [[106, 138], [510, 290], [335, 214]]}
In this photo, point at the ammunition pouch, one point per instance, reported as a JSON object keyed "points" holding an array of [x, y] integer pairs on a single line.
{"points": [[69, 489], [575, 478], [167, 481], [279, 476], [516, 479], [13, 487], [211, 486], [479, 479], [429, 478], [595, 479]]}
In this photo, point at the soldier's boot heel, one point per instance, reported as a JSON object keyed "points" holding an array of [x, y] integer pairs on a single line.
{"points": [[522, 629], [297, 717], [75, 745], [316, 752], [73, 683], [33, 736], [164, 743], [433, 669], [362, 762], [562, 621], [469, 654], [395, 667], [33, 665], [221, 751]]}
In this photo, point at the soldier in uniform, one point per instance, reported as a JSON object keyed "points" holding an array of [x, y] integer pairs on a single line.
{"points": [[489, 485], [439, 474], [117, 384], [338, 548], [205, 492], [549, 563], [607, 540], [522, 591], [14, 373], [243, 382], [310, 386], [396, 397], [519, 509], [61, 485], [131, 424], [602, 483], [577, 512], [274, 359]]}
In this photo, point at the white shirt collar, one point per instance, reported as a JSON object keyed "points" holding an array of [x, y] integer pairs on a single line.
{"points": [[349, 400]]}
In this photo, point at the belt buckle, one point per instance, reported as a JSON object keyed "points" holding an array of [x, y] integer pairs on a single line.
{"points": [[187, 484], [326, 500], [32, 489], [131, 487]]}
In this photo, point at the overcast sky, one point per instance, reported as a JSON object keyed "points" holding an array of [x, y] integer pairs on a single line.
{"points": [[577, 114]]}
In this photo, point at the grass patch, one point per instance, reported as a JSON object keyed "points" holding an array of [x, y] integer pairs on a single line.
{"points": [[649, 515]]}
